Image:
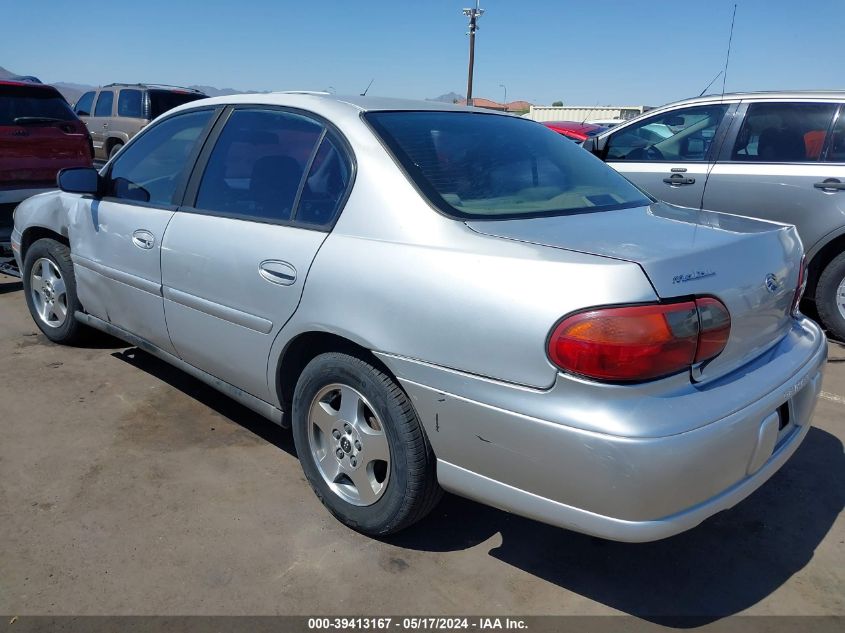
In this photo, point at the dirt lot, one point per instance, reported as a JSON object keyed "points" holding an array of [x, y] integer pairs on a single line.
{"points": [[127, 487]]}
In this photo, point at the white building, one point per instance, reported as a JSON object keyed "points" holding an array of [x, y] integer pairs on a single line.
{"points": [[583, 113]]}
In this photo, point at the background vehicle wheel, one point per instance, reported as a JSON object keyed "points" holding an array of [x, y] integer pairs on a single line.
{"points": [[115, 149], [361, 445], [50, 290], [830, 297]]}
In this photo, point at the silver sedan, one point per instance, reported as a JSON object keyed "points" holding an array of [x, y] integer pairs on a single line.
{"points": [[437, 297]]}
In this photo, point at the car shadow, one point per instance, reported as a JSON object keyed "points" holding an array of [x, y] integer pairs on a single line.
{"points": [[10, 286], [728, 564], [210, 397]]}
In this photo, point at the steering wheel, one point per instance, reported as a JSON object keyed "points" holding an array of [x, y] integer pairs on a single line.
{"points": [[646, 153]]}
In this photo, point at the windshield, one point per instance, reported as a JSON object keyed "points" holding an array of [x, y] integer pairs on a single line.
{"points": [[21, 104], [163, 100], [480, 166]]}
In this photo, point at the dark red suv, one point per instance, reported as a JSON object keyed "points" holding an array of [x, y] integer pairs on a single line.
{"points": [[39, 135]]}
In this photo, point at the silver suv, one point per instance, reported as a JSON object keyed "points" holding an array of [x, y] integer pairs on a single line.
{"points": [[774, 155]]}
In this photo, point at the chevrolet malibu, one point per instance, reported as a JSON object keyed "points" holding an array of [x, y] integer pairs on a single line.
{"points": [[441, 298]]}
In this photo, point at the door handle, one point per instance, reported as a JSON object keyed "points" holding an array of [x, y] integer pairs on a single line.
{"points": [[277, 272], [678, 179], [830, 184], [105, 124], [143, 239]]}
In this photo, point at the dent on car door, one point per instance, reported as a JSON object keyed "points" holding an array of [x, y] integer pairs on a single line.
{"points": [[770, 166], [116, 240], [668, 155], [267, 188]]}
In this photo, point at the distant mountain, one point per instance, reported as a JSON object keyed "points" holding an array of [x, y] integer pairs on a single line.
{"points": [[72, 91], [211, 91], [449, 97]]}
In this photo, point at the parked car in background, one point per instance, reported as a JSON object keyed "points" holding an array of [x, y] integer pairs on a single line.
{"points": [[117, 112], [574, 130], [39, 135], [608, 123], [441, 297], [773, 155]]}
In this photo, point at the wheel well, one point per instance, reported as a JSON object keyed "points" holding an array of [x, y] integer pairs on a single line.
{"points": [[35, 233], [111, 142], [304, 348], [820, 261]]}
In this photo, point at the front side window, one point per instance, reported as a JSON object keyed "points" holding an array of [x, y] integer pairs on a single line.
{"points": [[104, 103], [491, 166], [85, 104], [129, 103], [836, 152], [257, 164], [783, 132], [683, 135], [150, 168]]}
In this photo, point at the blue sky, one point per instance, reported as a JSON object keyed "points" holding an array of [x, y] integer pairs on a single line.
{"points": [[579, 51]]}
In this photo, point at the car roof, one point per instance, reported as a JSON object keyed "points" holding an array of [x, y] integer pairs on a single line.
{"points": [[323, 100], [780, 94], [27, 84]]}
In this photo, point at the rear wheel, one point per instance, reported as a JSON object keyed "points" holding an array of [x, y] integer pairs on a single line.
{"points": [[830, 297], [361, 445], [115, 149], [50, 290]]}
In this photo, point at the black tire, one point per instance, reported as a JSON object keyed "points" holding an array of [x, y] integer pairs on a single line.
{"points": [[411, 490], [115, 149], [70, 331], [826, 297]]}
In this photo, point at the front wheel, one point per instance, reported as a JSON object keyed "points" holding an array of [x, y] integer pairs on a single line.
{"points": [[362, 446], [830, 297], [50, 290], [115, 149]]}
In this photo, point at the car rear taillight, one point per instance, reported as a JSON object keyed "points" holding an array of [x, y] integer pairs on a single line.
{"points": [[636, 343], [802, 285]]}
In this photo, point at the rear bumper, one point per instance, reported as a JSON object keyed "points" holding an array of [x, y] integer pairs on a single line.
{"points": [[617, 486]]}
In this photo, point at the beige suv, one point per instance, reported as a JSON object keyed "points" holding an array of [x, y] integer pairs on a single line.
{"points": [[117, 112]]}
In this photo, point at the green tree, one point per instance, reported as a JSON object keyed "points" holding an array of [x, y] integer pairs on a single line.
{"points": [[557, 104]]}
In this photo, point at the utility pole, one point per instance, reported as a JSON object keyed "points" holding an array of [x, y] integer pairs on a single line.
{"points": [[506, 95], [473, 15]]}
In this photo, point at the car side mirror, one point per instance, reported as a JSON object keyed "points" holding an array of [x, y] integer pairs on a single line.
{"points": [[596, 145], [80, 180]]}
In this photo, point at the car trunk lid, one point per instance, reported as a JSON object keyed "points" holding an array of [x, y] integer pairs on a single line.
{"points": [[750, 265]]}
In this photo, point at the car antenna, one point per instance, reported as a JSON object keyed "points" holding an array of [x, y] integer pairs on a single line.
{"points": [[701, 94], [589, 112], [364, 94], [728, 56]]}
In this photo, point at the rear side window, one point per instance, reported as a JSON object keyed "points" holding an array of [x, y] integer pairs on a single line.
{"points": [[129, 103], [473, 165], [149, 169], [163, 100], [20, 105], [257, 165], [104, 103], [325, 186], [836, 152], [783, 132], [683, 135], [85, 104]]}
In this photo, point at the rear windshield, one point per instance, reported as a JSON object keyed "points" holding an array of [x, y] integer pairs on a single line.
{"points": [[25, 103], [163, 100], [473, 165]]}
